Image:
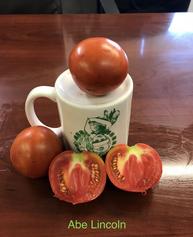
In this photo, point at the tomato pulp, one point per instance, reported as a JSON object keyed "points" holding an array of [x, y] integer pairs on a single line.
{"points": [[135, 169], [98, 65], [77, 177]]}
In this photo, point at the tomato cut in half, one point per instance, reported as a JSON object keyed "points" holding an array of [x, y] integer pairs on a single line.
{"points": [[135, 169], [77, 177]]}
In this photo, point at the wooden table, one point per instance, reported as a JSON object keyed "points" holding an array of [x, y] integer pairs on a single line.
{"points": [[33, 52]]}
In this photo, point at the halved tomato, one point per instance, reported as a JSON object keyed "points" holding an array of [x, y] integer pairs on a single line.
{"points": [[135, 169], [77, 177]]}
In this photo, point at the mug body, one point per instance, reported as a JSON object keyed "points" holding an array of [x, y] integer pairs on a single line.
{"points": [[92, 123]]}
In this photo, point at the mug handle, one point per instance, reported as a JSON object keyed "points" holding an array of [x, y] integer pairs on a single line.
{"points": [[40, 91]]}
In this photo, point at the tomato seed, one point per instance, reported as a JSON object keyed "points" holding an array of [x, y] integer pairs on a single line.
{"points": [[117, 172], [96, 166], [113, 165], [96, 175], [63, 189]]}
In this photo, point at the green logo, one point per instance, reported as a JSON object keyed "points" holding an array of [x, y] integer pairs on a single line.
{"points": [[96, 135]]}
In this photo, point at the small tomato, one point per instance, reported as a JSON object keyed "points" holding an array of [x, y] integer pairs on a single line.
{"points": [[33, 149]]}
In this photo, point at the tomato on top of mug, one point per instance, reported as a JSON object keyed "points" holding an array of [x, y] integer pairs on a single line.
{"points": [[96, 120], [98, 65]]}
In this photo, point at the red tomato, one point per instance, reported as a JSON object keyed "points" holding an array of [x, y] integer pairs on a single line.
{"points": [[77, 177], [98, 65], [135, 169], [33, 149]]}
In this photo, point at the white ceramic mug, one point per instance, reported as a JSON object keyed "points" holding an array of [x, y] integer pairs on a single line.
{"points": [[87, 122]]}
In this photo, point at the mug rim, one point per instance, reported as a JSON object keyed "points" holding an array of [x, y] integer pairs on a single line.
{"points": [[95, 106]]}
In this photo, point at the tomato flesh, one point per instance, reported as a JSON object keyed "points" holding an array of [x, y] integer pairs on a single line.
{"points": [[135, 169], [77, 177]]}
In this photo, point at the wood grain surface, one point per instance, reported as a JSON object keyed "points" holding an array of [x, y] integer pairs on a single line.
{"points": [[33, 52]]}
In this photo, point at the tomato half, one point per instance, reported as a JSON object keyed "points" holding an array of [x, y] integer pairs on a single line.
{"points": [[77, 177], [98, 65], [135, 169]]}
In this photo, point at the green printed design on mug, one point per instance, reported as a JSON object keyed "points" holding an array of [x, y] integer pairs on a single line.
{"points": [[96, 135]]}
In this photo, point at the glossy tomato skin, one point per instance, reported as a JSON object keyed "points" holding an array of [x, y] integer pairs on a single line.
{"points": [[77, 177], [135, 169], [98, 65], [33, 149]]}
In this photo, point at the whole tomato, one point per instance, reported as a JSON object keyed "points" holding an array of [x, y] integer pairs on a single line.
{"points": [[135, 168], [33, 149], [98, 65], [77, 177]]}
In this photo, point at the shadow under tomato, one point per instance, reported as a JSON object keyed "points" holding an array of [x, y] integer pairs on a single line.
{"points": [[111, 203], [35, 196], [121, 203]]}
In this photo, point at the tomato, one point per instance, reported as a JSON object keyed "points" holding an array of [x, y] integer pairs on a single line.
{"points": [[135, 169], [33, 149], [77, 177], [98, 65]]}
